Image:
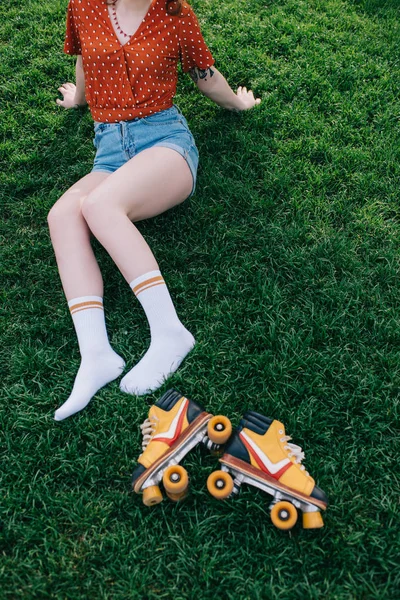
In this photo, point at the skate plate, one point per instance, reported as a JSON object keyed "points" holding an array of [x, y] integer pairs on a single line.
{"points": [[246, 473]]}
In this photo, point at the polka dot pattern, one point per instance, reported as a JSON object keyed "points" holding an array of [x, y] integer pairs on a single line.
{"points": [[139, 78]]}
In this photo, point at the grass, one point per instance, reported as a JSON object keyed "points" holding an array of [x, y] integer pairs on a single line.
{"points": [[285, 265]]}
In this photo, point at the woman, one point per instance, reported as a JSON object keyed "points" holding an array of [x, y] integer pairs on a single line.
{"points": [[146, 162]]}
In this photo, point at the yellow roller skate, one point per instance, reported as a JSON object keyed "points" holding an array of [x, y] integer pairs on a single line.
{"points": [[173, 427], [259, 453]]}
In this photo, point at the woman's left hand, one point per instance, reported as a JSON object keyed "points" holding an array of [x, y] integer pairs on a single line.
{"points": [[246, 99]]}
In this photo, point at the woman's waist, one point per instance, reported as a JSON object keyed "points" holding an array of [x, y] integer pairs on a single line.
{"points": [[169, 121], [131, 113]]}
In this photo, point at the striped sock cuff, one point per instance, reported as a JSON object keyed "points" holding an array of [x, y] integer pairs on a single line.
{"points": [[84, 303], [146, 281]]}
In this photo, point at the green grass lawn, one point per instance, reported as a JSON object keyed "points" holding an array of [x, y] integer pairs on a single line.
{"points": [[285, 266]]}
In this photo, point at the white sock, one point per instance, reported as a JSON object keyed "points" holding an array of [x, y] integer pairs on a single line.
{"points": [[99, 364], [170, 340]]}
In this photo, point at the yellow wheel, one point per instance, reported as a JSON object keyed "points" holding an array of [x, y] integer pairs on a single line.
{"points": [[178, 497], [175, 480], [284, 515], [219, 429], [220, 485], [152, 495]]}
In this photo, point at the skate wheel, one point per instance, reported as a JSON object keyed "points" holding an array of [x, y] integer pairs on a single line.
{"points": [[175, 480], [220, 484], [177, 497], [219, 429], [284, 515], [152, 495]]}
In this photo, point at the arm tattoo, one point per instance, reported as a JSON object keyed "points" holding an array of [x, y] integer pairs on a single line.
{"points": [[197, 74]]}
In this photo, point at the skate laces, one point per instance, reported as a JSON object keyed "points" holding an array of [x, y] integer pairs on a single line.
{"points": [[294, 451], [148, 428]]}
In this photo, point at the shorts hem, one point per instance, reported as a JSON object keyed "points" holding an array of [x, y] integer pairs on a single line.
{"points": [[102, 170]]}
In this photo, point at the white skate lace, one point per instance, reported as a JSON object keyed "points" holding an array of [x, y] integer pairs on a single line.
{"points": [[148, 428], [294, 451]]}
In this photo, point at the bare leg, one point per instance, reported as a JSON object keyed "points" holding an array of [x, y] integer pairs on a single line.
{"points": [[70, 236], [83, 286], [150, 183]]}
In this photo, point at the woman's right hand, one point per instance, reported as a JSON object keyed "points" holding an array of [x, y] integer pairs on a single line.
{"points": [[68, 92]]}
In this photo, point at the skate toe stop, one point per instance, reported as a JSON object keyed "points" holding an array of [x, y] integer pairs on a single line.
{"points": [[312, 520], [152, 495]]}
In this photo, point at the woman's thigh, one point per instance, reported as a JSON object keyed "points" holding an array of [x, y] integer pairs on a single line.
{"points": [[150, 183]]}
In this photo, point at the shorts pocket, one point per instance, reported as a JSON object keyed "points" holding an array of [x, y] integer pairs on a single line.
{"points": [[100, 129]]}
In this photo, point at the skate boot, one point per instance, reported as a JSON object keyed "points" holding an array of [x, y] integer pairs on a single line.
{"points": [[174, 426], [259, 453]]}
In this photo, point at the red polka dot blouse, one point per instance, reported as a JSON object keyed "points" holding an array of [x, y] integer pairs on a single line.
{"points": [[136, 79]]}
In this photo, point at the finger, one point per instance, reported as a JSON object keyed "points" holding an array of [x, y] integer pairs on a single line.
{"points": [[244, 90], [239, 90], [60, 103], [258, 101]]}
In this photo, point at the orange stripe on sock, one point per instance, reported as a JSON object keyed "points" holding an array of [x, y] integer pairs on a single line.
{"points": [[150, 286], [85, 306], [148, 283]]}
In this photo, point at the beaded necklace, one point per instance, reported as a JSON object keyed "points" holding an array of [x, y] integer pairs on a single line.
{"points": [[117, 25]]}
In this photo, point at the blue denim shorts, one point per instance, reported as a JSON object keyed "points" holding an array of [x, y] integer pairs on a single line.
{"points": [[116, 143]]}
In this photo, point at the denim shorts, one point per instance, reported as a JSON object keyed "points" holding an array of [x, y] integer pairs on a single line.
{"points": [[116, 143]]}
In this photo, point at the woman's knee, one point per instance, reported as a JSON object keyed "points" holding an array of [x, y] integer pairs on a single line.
{"points": [[63, 211], [98, 208]]}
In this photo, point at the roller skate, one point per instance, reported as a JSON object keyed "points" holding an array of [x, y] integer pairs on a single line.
{"points": [[259, 453], [173, 427]]}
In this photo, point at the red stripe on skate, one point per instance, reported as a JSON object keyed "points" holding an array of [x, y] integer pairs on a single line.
{"points": [[279, 474], [195, 426], [178, 430], [253, 472], [263, 468]]}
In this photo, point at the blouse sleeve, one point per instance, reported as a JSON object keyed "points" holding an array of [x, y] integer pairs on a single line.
{"points": [[193, 49], [72, 43]]}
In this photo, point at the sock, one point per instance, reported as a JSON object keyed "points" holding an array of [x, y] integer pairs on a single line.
{"points": [[99, 363], [170, 340]]}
